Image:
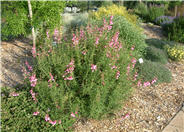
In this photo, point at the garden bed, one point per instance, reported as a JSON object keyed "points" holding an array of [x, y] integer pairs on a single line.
{"points": [[149, 108]]}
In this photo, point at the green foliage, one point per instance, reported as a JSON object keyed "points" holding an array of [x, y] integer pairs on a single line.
{"points": [[149, 70], [174, 31], [155, 12], [17, 113], [157, 43], [130, 35], [149, 13], [15, 21], [156, 55], [142, 10], [93, 94]]}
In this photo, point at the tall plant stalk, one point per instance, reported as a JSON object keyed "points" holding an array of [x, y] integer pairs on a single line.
{"points": [[33, 32]]}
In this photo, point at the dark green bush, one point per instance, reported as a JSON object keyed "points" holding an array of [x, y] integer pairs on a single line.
{"points": [[157, 43], [149, 70], [149, 13], [155, 12], [142, 10], [156, 55], [175, 31]]}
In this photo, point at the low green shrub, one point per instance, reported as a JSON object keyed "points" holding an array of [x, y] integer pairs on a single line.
{"points": [[174, 31], [130, 35], [175, 52], [156, 55], [149, 70], [157, 43], [17, 113]]}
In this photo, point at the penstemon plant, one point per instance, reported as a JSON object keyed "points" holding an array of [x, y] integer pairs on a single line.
{"points": [[88, 74]]}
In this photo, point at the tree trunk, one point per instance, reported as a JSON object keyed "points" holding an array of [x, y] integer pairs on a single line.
{"points": [[175, 10], [33, 32]]}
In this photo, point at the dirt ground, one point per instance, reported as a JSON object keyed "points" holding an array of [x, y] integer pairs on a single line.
{"points": [[13, 56]]}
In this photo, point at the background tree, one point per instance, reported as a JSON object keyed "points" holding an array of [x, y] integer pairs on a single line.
{"points": [[15, 20]]}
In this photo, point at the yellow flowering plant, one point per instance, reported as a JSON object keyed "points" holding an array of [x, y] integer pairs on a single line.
{"points": [[176, 52], [115, 10]]}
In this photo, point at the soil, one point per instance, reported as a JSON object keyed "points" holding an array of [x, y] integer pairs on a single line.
{"points": [[13, 56]]}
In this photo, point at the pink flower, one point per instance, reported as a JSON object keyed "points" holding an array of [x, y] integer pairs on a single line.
{"points": [[47, 118], [132, 48], [125, 116], [33, 80], [154, 81], [69, 78], [34, 51], [146, 84], [33, 95], [117, 74], [93, 67], [28, 66], [84, 52], [139, 84], [73, 115], [111, 17], [114, 67], [133, 60], [52, 122], [56, 32], [135, 76], [51, 78], [14, 94], [97, 40], [109, 27], [75, 40], [36, 113]]}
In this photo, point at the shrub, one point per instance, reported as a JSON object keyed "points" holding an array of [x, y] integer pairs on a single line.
{"points": [[175, 30], [156, 55], [16, 22], [149, 70], [116, 10], [175, 52], [164, 20], [149, 13], [84, 76], [155, 12], [17, 113], [142, 10], [130, 35], [157, 43]]}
